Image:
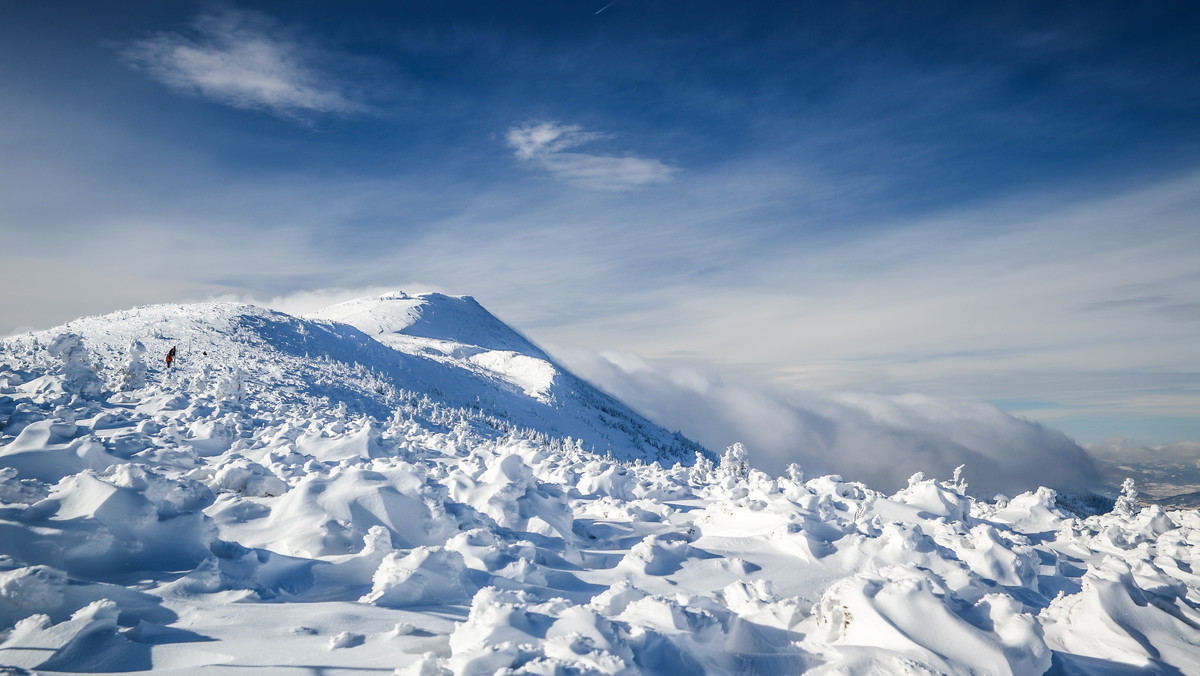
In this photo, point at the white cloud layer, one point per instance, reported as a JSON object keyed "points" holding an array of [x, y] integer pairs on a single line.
{"points": [[244, 60], [547, 144], [877, 439], [1126, 450]]}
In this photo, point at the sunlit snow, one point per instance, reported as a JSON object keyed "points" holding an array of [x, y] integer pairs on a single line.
{"points": [[405, 483]]}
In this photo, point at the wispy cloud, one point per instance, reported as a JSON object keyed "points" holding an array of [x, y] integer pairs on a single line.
{"points": [[245, 60], [549, 144]]}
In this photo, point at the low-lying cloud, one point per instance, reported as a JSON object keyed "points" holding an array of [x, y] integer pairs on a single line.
{"points": [[548, 145], [880, 440], [1121, 450], [242, 59]]}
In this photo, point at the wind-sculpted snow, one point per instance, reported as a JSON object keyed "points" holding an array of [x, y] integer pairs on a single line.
{"points": [[310, 500], [435, 316]]}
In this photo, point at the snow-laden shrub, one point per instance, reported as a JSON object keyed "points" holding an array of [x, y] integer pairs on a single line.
{"points": [[427, 575], [934, 498], [33, 587], [512, 632], [17, 491], [702, 470], [109, 525], [736, 461], [79, 375], [910, 611], [232, 387], [1127, 504], [795, 472], [248, 478], [88, 639], [132, 375], [171, 496], [998, 559], [657, 555]]}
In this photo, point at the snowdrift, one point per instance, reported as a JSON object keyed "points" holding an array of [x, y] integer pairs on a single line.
{"points": [[404, 483]]}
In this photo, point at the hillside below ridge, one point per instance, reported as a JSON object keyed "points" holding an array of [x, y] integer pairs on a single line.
{"points": [[415, 350]]}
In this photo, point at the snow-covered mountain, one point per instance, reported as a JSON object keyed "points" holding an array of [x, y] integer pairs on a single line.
{"points": [[371, 354], [407, 483]]}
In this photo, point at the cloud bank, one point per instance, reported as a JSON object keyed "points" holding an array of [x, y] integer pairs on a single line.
{"points": [[880, 440], [242, 59], [547, 145], [1123, 450]]}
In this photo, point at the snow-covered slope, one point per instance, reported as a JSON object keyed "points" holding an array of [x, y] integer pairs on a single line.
{"points": [[438, 318], [371, 354], [502, 366], [457, 331], [306, 496]]}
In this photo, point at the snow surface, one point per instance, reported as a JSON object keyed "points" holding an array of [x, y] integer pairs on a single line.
{"points": [[404, 483], [452, 330]]}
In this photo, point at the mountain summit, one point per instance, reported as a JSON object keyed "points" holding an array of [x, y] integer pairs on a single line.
{"points": [[397, 319], [497, 369], [369, 355], [451, 330]]}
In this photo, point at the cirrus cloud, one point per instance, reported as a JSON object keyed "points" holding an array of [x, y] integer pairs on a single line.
{"points": [[245, 60], [548, 144]]}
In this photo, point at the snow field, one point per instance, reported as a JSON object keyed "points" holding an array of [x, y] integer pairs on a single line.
{"points": [[264, 509]]}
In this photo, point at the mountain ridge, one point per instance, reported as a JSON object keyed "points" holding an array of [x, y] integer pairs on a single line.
{"points": [[415, 348]]}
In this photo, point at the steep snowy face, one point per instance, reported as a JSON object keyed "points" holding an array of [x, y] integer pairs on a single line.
{"points": [[454, 330], [457, 332], [433, 316]]}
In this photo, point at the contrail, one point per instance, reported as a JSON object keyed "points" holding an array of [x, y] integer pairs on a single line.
{"points": [[606, 6]]}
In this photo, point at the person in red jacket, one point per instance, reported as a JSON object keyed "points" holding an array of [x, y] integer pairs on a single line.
{"points": [[170, 356]]}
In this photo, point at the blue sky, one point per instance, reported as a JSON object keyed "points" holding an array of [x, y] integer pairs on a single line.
{"points": [[994, 204]]}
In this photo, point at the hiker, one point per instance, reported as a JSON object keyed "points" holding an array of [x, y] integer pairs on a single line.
{"points": [[170, 356]]}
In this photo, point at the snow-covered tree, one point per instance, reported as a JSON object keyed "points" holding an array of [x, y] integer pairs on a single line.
{"points": [[1127, 503], [736, 460], [702, 470], [79, 375], [232, 386], [795, 472], [133, 373]]}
